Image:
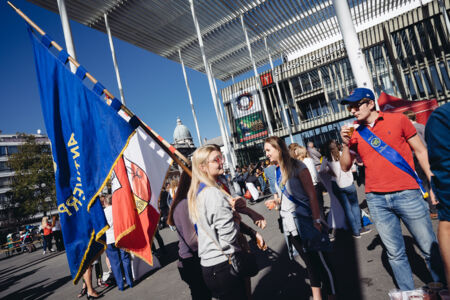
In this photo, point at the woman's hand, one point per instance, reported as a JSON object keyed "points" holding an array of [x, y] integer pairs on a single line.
{"points": [[257, 219], [271, 204], [260, 242]]}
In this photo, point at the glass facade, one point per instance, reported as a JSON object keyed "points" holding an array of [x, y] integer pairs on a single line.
{"points": [[407, 57]]}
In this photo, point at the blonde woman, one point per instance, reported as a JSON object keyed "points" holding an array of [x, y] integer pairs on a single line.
{"points": [[217, 225], [297, 195], [47, 228]]}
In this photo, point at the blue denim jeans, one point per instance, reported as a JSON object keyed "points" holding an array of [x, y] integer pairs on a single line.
{"points": [[119, 257], [349, 200], [387, 209]]}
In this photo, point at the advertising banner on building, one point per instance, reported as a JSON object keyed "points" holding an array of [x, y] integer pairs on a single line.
{"points": [[246, 107], [245, 102], [251, 127]]}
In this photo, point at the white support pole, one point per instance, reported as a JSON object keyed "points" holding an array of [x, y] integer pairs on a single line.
{"points": [[190, 99], [351, 42], [113, 53], [211, 88], [277, 84], [67, 32], [445, 15], [222, 118], [258, 82]]}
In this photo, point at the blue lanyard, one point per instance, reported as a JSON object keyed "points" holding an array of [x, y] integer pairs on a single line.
{"points": [[285, 192], [389, 154]]}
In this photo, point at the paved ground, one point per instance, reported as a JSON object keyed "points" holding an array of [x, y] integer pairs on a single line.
{"points": [[361, 266]]}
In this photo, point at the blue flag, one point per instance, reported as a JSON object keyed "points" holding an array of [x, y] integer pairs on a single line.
{"points": [[87, 137]]}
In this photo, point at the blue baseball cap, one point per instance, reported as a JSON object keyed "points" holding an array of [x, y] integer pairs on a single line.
{"points": [[357, 95]]}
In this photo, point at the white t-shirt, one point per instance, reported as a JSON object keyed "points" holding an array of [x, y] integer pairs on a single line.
{"points": [[312, 169], [342, 179], [110, 232]]}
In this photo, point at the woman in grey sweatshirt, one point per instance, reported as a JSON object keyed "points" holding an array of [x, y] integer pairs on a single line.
{"points": [[217, 225]]}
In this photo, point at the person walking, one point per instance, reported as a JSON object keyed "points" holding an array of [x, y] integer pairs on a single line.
{"points": [[188, 261], [47, 231], [344, 189], [217, 225], [296, 191], [118, 258], [384, 142]]}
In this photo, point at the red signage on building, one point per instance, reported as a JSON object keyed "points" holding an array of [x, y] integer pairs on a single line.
{"points": [[266, 79]]}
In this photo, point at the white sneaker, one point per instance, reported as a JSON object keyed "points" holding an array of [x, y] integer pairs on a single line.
{"points": [[51, 250], [43, 253]]}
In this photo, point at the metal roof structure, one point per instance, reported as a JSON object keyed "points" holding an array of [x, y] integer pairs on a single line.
{"points": [[291, 27]]}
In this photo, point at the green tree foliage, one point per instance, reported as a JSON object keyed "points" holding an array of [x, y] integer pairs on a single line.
{"points": [[33, 186]]}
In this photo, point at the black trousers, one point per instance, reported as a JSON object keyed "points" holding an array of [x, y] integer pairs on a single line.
{"points": [[318, 266], [222, 284], [191, 273]]}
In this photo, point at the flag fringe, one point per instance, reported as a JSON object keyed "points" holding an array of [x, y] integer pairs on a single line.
{"points": [[92, 200], [83, 267], [123, 234]]}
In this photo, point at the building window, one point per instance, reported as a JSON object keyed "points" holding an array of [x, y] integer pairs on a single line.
{"points": [[419, 84], [4, 166], [410, 84], [5, 182], [444, 75], [436, 80], [426, 79], [314, 108], [12, 150], [2, 150]]}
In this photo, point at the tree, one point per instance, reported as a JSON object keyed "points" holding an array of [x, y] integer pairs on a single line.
{"points": [[33, 185]]}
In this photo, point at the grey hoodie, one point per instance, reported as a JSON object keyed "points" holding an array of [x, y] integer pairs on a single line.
{"points": [[215, 221]]}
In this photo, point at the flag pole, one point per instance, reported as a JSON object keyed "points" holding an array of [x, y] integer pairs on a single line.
{"points": [[171, 151]]}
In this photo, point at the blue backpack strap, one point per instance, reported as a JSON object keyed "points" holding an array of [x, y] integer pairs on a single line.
{"points": [[389, 154]]}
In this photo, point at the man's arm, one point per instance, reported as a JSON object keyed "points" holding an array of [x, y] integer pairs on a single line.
{"points": [[347, 158], [422, 156]]}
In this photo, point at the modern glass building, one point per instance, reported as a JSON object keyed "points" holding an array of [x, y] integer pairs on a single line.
{"points": [[408, 57]]}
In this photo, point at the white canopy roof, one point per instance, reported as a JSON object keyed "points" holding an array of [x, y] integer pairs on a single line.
{"points": [[292, 27]]}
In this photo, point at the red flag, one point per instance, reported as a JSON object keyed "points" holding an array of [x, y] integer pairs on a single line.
{"points": [[136, 183], [423, 108]]}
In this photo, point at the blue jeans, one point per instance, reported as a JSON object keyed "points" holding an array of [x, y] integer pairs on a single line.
{"points": [[387, 209], [349, 200], [116, 257]]}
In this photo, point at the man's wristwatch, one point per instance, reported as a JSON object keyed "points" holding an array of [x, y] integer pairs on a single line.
{"points": [[318, 221]]}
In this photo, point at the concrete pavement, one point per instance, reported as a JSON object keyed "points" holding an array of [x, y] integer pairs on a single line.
{"points": [[362, 270]]}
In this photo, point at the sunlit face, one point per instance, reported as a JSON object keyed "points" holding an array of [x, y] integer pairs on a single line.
{"points": [[271, 153], [213, 166], [361, 110]]}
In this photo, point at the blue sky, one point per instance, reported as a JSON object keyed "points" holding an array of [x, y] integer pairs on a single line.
{"points": [[154, 87]]}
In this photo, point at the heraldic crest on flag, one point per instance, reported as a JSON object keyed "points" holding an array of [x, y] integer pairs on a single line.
{"points": [[136, 184], [93, 142]]}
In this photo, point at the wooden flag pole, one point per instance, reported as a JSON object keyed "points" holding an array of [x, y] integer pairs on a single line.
{"points": [[171, 151]]}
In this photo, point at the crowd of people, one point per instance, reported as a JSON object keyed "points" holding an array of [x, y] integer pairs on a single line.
{"points": [[380, 150]]}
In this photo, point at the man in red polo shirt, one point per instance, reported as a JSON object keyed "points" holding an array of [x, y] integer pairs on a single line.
{"points": [[392, 194]]}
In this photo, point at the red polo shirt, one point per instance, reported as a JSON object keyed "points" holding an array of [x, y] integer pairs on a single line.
{"points": [[382, 176]]}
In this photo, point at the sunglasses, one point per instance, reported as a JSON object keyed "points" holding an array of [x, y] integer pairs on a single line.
{"points": [[357, 105], [218, 159]]}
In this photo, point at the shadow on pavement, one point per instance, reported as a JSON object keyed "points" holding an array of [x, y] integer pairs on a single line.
{"points": [[285, 279], [28, 265], [344, 260], [418, 265], [39, 290]]}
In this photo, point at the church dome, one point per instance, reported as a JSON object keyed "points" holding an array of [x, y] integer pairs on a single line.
{"points": [[181, 133]]}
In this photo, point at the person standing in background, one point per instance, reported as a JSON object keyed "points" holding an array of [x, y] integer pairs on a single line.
{"points": [[47, 228]]}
